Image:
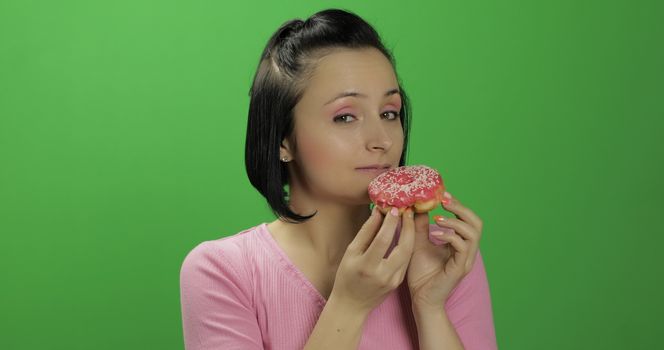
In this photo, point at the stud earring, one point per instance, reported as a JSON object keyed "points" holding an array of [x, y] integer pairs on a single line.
{"points": [[284, 159]]}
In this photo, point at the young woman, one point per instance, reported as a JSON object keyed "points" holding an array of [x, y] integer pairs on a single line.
{"points": [[328, 114]]}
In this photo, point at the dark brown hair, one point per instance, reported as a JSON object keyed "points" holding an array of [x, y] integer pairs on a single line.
{"points": [[287, 61]]}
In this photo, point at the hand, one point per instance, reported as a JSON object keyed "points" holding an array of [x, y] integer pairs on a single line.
{"points": [[435, 270], [365, 276]]}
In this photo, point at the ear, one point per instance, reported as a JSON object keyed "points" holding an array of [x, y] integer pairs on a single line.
{"points": [[286, 150]]}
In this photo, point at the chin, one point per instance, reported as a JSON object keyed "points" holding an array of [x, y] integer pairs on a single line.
{"points": [[357, 198]]}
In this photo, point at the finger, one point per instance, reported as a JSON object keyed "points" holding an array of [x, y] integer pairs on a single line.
{"points": [[404, 249], [367, 232], [378, 248], [422, 222], [466, 231], [462, 212], [459, 245], [472, 254]]}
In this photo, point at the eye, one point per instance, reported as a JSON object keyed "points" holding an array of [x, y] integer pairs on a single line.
{"points": [[342, 118], [395, 114]]}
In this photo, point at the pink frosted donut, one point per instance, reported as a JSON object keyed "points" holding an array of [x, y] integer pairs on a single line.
{"points": [[416, 186]]}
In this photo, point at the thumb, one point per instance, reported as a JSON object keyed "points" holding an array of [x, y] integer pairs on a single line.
{"points": [[422, 229], [422, 222]]}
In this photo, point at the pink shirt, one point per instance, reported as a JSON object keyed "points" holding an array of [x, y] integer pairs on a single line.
{"points": [[243, 292]]}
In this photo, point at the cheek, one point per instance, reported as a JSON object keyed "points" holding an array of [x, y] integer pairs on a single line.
{"points": [[317, 151], [322, 151], [311, 152], [398, 139], [396, 134]]}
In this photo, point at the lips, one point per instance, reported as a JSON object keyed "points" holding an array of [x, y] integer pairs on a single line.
{"points": [[373, 170], [374, 167]]}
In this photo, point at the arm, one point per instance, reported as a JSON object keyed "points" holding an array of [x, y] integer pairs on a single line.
{"points": [[435, 331], [339, 327], [217, 312], [465, 321]]}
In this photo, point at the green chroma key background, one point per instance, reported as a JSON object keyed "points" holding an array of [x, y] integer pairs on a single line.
{"points": [[122, 131]]}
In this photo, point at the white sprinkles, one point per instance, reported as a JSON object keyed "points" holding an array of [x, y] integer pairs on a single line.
{"points": [[404, 185]]}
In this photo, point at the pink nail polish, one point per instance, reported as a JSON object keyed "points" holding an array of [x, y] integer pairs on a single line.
{"points": [[394, 211], [447, 195]]}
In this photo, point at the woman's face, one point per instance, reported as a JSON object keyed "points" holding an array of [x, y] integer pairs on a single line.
{"points": [[337, 133]]}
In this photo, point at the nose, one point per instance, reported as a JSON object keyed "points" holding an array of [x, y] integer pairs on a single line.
{"points": [[377, 136]]}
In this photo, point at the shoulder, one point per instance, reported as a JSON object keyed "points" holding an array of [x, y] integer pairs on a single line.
{"points": [[217, 290], [223, 255]]}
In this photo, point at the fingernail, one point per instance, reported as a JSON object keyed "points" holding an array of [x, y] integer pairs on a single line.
{"points": [[439, 218], [437, 233], [445, 201], [394, 211], [409, 213], [447, 195]]}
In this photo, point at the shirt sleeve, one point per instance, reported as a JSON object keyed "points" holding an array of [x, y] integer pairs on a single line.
{"points": [[469, 309], [217, 311]]}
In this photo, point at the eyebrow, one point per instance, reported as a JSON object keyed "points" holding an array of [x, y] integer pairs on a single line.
{"points": [[357, 94]]}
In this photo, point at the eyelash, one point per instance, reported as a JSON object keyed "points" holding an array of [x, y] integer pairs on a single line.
{"points": [[396, 116]]}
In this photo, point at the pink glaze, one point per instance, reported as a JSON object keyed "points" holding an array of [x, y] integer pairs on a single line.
{"points": [[402, 187]]}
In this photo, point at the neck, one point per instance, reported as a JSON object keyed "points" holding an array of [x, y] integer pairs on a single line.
{"points": [[330, 231]]}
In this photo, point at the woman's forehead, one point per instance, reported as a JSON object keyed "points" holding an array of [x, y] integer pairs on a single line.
{"points": [[359, 71]]}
